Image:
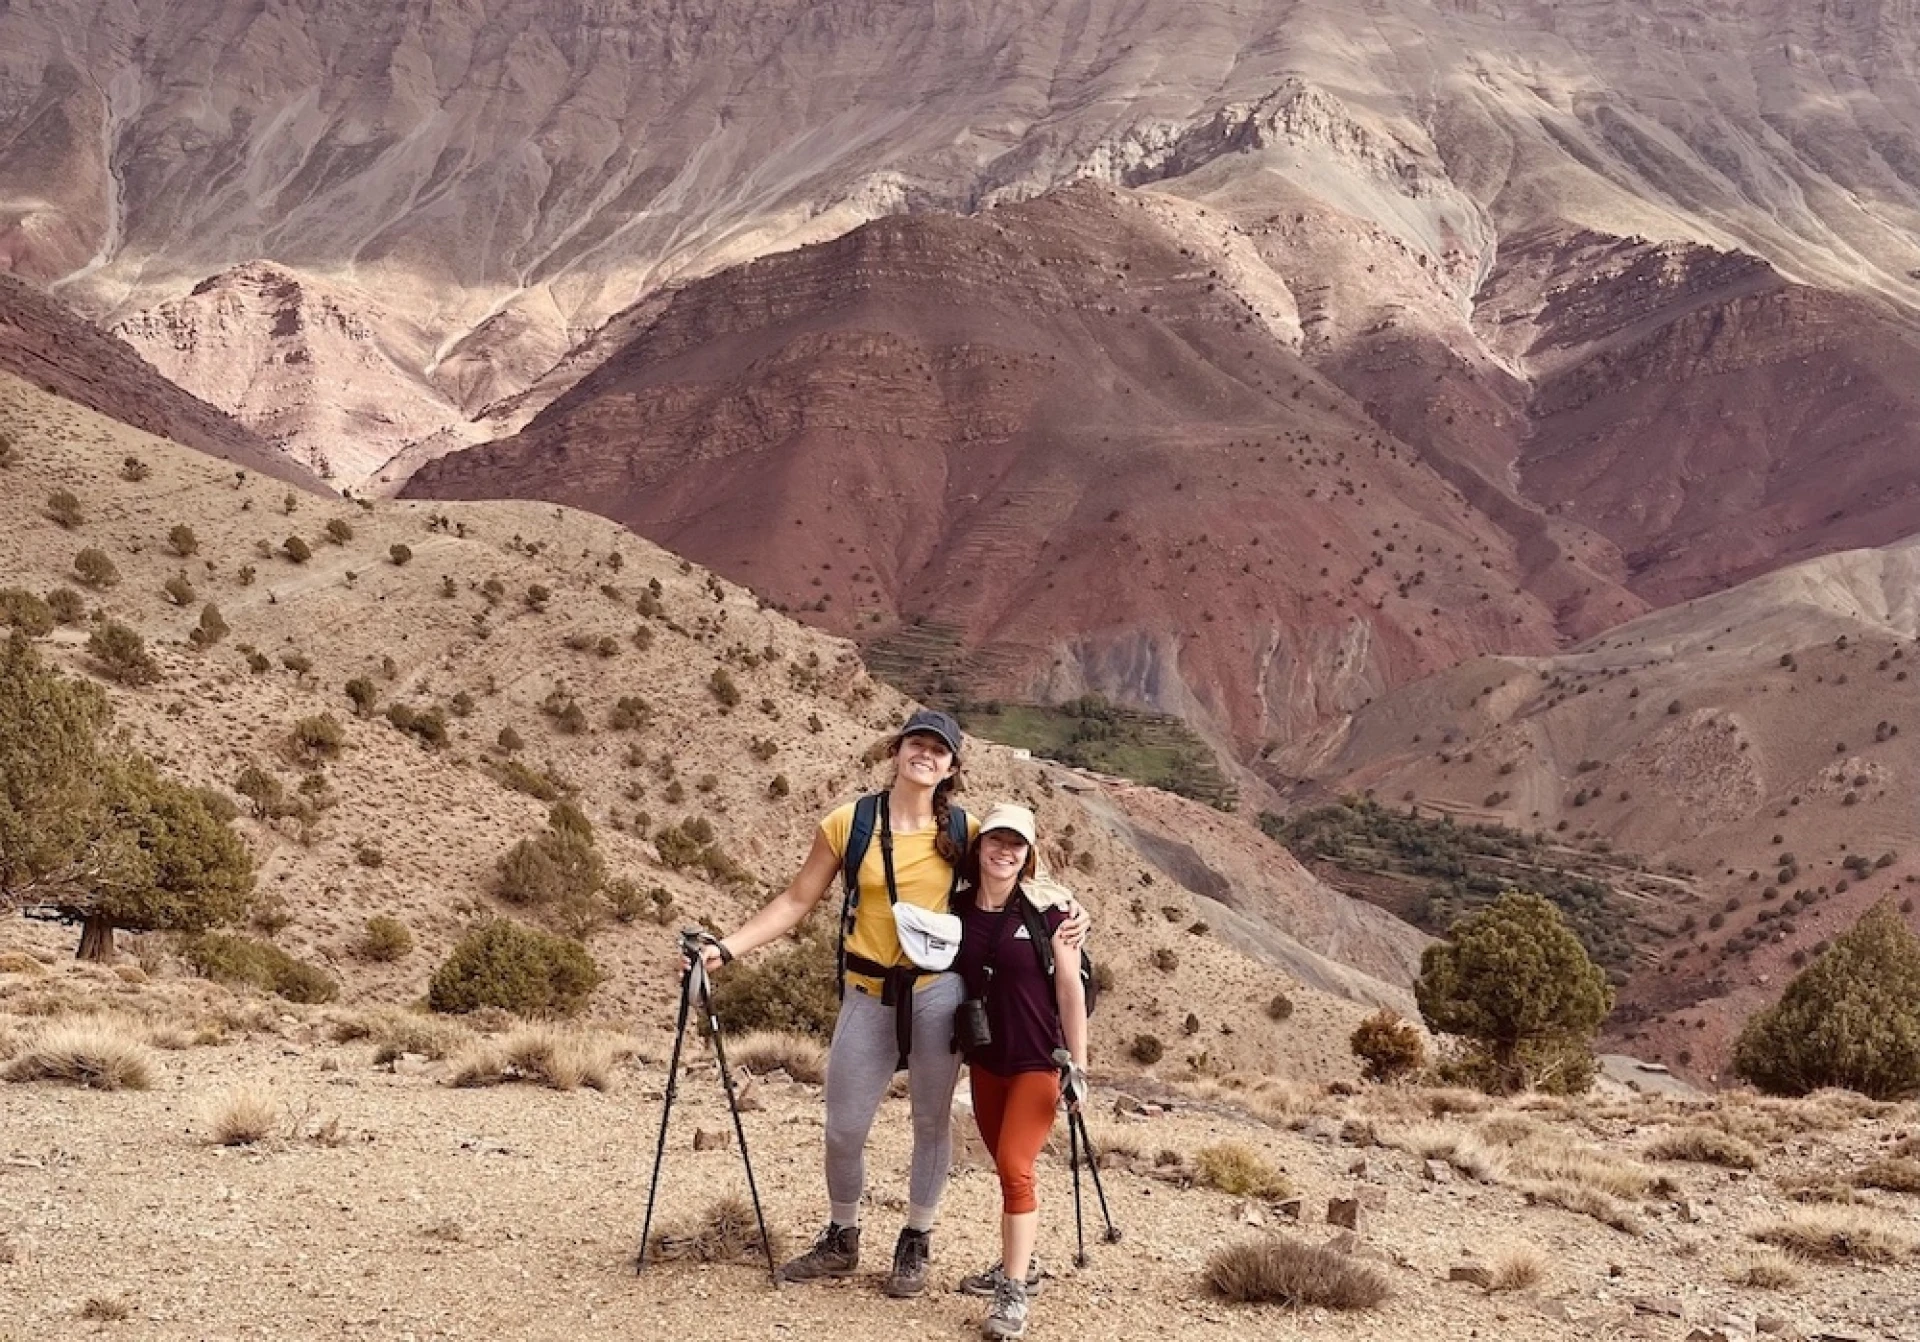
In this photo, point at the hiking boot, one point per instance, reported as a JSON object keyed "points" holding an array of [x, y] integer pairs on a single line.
{"points": [[835, 1254], [984, 1284], [1008, 1317], [910, 1254]]}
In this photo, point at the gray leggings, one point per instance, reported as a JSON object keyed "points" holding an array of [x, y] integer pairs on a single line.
{"points": [[859, 1070]]}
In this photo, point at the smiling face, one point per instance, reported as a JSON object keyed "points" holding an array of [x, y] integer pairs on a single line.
{"points": [[1003, 857], [924, 759]]}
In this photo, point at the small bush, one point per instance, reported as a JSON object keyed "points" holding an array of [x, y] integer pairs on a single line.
{"points": [[179, 591], [364, 695], [92, 567], [1767, 1272], [26, 612], [524, 779], [242, 1116], [1830, 1233], [122, 654], [133, 470], [319, 737], [401, 555], [64, 508], [211, 628], [242, 961], [1895, 1174], [95, 1053], [182, 541], [539, 1055], [1389, 1048], [792, 990], [386, 939], [1165, 959], [630, 713], [1706, 1146], [1235, 1167], [428, 725], [1518, 1269], [296, 549], [1274, 1270], [339, 532], [516, 968], [725, 692], [537, 597], [1146, 1049], [67, 605], [554, 867]]}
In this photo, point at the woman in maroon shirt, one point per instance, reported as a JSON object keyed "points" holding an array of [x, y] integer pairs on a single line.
{"points": [[1015, 1081]]}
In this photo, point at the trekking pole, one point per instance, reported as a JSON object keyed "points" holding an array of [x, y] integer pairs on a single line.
{"points": [[1079, 1140], [695, 981]]}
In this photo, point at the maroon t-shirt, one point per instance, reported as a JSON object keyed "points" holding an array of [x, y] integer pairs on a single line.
{"points": [[1020, 998]]}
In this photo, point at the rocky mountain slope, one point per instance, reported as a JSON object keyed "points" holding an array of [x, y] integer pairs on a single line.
{"points": [[505, 615], [1755, 747]]}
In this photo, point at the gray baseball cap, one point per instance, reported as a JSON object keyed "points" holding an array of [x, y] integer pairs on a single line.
{"points": [[932, 722]]}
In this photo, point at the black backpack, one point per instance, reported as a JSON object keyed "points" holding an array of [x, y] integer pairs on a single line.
{"points": [[1043, 947]]}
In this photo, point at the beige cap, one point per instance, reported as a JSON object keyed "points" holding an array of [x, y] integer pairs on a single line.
{"points": [[1008, 815]]}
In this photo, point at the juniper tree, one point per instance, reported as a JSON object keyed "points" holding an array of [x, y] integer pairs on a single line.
{"points": [[1517, 986], [1851, 1018]]}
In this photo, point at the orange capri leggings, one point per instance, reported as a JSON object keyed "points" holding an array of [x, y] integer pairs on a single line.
{"points": [[1015, 1114]]}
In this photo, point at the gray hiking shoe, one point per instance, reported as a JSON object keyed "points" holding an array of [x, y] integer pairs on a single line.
{"points": [[984, 1284], [910, 1254], [835, 1254], [1008, 1317]]}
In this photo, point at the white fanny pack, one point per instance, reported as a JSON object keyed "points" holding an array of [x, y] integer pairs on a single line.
{"points": [[931, 940]]}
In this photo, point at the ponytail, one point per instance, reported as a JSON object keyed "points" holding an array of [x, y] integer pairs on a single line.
{"points": [[943, 843]]}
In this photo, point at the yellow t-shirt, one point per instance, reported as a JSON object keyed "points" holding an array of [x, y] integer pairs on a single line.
{"points": [[921, 875]]}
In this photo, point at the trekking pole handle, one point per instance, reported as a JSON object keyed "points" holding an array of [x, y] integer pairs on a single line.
{"points": [[693, 944], [1072, 1075]]}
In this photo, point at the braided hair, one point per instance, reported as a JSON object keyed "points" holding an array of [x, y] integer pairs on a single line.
{"points": [[943, 843]]}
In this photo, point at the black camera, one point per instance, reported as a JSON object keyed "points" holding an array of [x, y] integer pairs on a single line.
{"points": [[970, 1027]]}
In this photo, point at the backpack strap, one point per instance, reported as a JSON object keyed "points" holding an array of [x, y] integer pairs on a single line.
{"points": [[1037, 933], [866, 815]]}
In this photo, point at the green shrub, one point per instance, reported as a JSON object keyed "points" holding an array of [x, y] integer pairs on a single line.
{"points": [[1235, 1167], [319, 737], [630, 713], [1850, 1019], [364, 695], [1279, 1007], [1389, 1048], [182, 541], [296, 549], [1165, 959], [538, 596], [429, 725], [791, 989], [521, 778], [629, 903], [242, 961], [26, 612], [122, 654], [401, 555], [386, 939], [339, 532], [725, 692], [133, 470], [559, 865], [67, 605], [179, 591], [64, 508], [92, 567], [516, 968]]}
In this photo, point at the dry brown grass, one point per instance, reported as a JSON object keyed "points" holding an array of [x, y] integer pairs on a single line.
{"points": [[106, 1309], [395, 1031], [725, 1232], [1768, 1272], [548, 1055], [765, 1051], [1906, 1147], [98, 1053], [1832, 1233], [1706, 1146], [1235, 1167], [1459, 1146], [19, 962], [242, 1116], [1585, 1200], [1895, 1174], [1519, 1268], [11, 1040], [1275, 1270], [1446, 1100]]}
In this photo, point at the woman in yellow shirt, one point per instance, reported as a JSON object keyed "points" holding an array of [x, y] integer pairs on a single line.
{"points": [[888, 1006]]}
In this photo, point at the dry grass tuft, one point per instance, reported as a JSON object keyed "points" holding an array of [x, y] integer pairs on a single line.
{"points": [[1458, 1146], [1235, 1167], [1768, 1272], [106, 1309], [1448, 1100], [1821, 1188], [1895, 1174], [548, 1055], [1557, 1157], [725, 1232], [1906, 1147], [1520, 1268], [99, 1053], [1831, 1233], [11, 1040], [395, 1031], [765, 1051], [1585, 1200], [1274, 1270], [244, 1115], [1706, 1146], [19, 962]]}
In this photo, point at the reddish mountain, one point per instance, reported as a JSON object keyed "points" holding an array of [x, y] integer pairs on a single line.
{"points": [[1054, 431], [46, 344]]}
